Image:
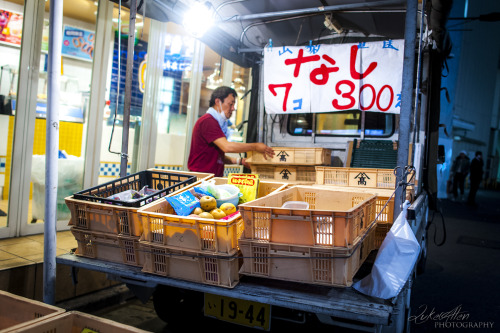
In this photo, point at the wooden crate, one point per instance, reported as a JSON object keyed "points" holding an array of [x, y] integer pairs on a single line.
{"points": [[293, 156], [197, 266], [108, 247], [303, 175], [78, 322], [357, 177], [17, 312], [306, 264], [334, 218], [109, 217]]}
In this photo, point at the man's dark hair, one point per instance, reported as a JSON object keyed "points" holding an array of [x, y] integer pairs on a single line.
{"points": [[478, 153], [221, 93]]}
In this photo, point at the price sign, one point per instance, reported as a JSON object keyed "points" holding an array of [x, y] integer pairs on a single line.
{"points": [[327, 78]]}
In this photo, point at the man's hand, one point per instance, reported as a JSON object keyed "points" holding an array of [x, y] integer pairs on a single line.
{"points": [[264, 150]]}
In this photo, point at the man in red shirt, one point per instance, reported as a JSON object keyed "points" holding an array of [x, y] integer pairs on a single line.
{"points": [[209, 142]]}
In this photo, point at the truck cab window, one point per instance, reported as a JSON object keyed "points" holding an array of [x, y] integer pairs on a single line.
{"points": [[344, 123]]}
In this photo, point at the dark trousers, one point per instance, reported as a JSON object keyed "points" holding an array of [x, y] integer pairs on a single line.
{"points": [[474, 186], [458, 183]]}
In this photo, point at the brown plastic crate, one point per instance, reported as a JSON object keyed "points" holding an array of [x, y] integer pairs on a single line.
{"points": [[356, 177], [293, 156], [197, 266], [334, 218], [121, 220], [304, 175], [163, 227], [108, 247], [17, 312], [380, 232], [306, 264], [383, 196], [77, 322]]}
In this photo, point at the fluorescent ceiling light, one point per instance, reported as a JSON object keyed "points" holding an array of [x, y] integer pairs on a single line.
{"points": [[198, 19]]}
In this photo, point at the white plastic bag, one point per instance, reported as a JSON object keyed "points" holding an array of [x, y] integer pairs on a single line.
{"points": [[394, 262]]}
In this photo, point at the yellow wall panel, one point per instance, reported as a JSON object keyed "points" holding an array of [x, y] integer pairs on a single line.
{"points": [[70, 140], [70, 137]]}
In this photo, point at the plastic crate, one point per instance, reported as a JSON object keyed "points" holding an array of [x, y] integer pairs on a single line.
{"points": [[163, 227], [303, 175], [77, 322], [381, 231], [108, 247], [334, 218], [266, 187], [122, 220], [17, 312], [306, 264], [293, 156], [191, 265], [357, 177], [383, 196], [163, 182]]}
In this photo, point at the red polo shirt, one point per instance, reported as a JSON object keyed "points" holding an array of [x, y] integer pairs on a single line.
{"points": [[204, 155]]}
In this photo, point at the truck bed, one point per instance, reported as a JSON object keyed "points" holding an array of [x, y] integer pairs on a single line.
{"points": [[344, 303], [339, 303]]}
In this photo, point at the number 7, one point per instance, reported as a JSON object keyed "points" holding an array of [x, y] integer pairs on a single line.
{"points": [[287, 86]]}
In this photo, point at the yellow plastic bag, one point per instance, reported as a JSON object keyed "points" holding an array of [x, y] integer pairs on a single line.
{"points": [[248, 183]]}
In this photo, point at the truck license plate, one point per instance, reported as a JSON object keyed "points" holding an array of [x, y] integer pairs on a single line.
{"points": [[238, 311]]}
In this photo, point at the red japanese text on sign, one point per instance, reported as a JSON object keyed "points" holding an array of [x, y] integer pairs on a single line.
{"points": [[328, 78]]}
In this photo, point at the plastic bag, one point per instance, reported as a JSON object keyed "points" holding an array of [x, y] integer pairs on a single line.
{"points": [[210, 188], [394, 262], [248, 183], [132, 195], [183, 203]]}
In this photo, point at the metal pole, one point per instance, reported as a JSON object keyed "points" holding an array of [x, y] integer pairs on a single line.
{"points": [[128, 87], [406, 99], [322, 9], [193, 106], [52, 151]]}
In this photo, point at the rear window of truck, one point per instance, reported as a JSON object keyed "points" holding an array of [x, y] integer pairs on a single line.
{"points": [[344, 123]]}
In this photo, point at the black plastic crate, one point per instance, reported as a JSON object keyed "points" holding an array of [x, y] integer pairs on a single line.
{"points": [[164, 182]]}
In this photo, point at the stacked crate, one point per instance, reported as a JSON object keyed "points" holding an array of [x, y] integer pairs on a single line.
{"points": [[289, 164], [78, 322], [109, 229], [380, 182], [324, 244], [194, 248], [17, 312]]}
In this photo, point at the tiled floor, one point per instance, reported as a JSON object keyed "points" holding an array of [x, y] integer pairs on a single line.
{"points": [[27, 250]]}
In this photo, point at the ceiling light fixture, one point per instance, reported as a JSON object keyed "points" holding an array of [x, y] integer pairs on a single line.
{"points": [[199, 19]]}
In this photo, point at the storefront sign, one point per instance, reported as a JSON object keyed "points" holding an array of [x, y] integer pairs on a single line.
{"points": [[327, 78], [78, 43], [11, 25]]}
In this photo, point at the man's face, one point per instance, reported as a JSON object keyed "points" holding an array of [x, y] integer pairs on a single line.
{"points": [[227, 106]]}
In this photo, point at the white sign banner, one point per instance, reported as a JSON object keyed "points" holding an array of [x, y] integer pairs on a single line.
{"points": [[328, 78]]}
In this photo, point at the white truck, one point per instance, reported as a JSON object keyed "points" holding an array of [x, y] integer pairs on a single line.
{"points": [[245, 31]]}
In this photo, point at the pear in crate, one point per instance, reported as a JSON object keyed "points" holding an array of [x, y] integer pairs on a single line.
{"points": [[208, 203]]}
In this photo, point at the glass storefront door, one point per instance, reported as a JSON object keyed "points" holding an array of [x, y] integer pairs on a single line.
{"points": [[76, 72], [112, 122], [11, 21]]}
